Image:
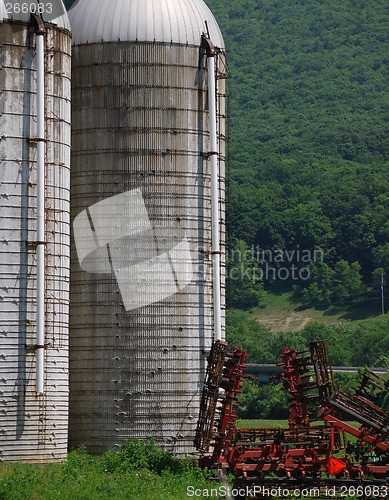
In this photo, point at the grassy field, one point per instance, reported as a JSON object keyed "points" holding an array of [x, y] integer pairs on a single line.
{"points": [[279, 312], [261, 423], [139, 471]]}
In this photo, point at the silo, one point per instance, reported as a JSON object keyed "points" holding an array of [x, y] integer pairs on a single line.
{"points": [[141, 308], [34, 231]]}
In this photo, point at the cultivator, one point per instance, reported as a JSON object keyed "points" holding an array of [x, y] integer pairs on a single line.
{"points": [[216, 424], [310, 452]]}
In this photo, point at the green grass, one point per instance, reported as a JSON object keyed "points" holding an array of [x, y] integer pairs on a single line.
{"points": [[283, 424], [138, 471], [260, 423]]}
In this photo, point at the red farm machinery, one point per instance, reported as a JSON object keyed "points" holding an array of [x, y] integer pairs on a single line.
{"points": [[336, 443]]}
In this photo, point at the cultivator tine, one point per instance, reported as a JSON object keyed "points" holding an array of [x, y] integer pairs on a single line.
{"points": [[222, 386]]}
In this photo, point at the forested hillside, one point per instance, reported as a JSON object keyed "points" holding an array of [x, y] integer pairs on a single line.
{"points": [[309, 148]]}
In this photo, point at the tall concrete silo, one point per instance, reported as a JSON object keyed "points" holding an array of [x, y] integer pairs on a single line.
{"points": [[34, 231], [141, 314]]}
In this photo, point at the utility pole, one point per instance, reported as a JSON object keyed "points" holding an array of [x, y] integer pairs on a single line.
{"points": [[382, 294]]}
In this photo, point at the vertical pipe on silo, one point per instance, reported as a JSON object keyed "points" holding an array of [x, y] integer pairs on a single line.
{"points": [[214, 155], [40, 302]]}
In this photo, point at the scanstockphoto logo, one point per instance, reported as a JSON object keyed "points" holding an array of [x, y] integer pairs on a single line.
{"points": [[116, 236], [255, 264]]}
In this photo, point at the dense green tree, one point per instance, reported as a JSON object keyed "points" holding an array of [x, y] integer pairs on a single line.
{"points": [[245, 276], [381, 260], [264, 402], [347, 282], [320, 280]]}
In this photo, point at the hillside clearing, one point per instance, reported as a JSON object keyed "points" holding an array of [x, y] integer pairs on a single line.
{"points": [[281, 313]]}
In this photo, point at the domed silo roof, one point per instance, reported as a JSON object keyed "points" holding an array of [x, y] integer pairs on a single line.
{"points": [[55, 13], [167, 21]]}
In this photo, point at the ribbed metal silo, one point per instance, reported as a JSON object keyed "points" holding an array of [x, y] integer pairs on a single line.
{"points": [[141, 314], [34, 418]]}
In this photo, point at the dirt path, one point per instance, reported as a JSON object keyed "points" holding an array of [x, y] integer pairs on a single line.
{"points": [[294, 321]]}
